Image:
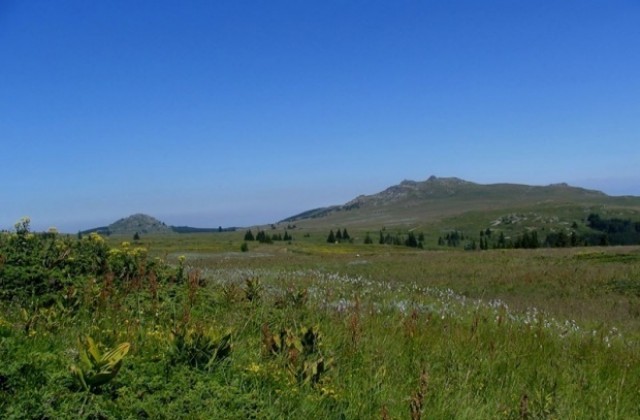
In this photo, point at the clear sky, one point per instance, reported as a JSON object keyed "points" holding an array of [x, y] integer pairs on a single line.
{"points": [[234, 113]]}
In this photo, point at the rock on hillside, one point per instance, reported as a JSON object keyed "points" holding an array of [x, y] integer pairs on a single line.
{"points": [[431, 188]]}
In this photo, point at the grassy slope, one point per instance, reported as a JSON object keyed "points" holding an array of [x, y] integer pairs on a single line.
{"points": [[472, 207]]}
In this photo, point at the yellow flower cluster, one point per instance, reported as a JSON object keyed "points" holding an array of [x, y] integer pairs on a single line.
{"points": [[139, 251], [254, 368], [95, 237]]}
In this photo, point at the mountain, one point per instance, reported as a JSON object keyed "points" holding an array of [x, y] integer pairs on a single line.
{"points": [[421, 202]]}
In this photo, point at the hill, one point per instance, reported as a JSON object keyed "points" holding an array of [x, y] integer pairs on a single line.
{"points": [[136, 223], [145, 224], [449, 201]]}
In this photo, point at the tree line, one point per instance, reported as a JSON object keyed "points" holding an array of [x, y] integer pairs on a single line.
{"points": [[338, 236], [603, 232], [409, 239], [264, 238]]}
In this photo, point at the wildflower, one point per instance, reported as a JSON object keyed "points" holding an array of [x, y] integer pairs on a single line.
{"points": [[328, 391], [139, 251], [95, 237], [254, 368]]}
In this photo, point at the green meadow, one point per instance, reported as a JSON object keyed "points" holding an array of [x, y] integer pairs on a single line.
{"points": [[189, 326]]}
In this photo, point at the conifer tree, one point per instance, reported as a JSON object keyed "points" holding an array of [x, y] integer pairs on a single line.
{"points": [[502, 242], [331, 238], [411, 241], [574, 239]]}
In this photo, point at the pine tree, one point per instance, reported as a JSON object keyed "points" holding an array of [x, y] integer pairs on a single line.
{"points": [[331, 238], [345, 234], [263, 238], [502, 242], [562, 240], [367, 239], [249, 236], [338, 236], [535, 242], [574, 239], [411, 241]]}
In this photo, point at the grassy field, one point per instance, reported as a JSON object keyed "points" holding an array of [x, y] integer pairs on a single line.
{"points": [[317, 330]]}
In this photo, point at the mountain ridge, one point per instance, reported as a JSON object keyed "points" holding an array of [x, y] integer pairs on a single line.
{"points": [[436, 196], [420, 203]]}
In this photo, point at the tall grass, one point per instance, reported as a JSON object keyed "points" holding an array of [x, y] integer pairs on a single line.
{"points": [[409, 335]]}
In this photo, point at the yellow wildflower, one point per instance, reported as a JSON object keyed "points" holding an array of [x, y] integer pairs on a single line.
{"points": [[95, 237], [254, 368]]}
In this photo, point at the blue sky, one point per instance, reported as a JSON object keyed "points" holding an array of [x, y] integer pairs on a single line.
{"points": [[209, 113]]}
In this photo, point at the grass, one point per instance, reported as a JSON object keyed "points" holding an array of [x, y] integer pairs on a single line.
{"points": [[402, 333]]}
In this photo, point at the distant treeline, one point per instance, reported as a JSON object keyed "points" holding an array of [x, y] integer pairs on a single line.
{"points": [[602, 232], [614, 231], [339, 236], [265, 238], [189, 229], [410, 239]]}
